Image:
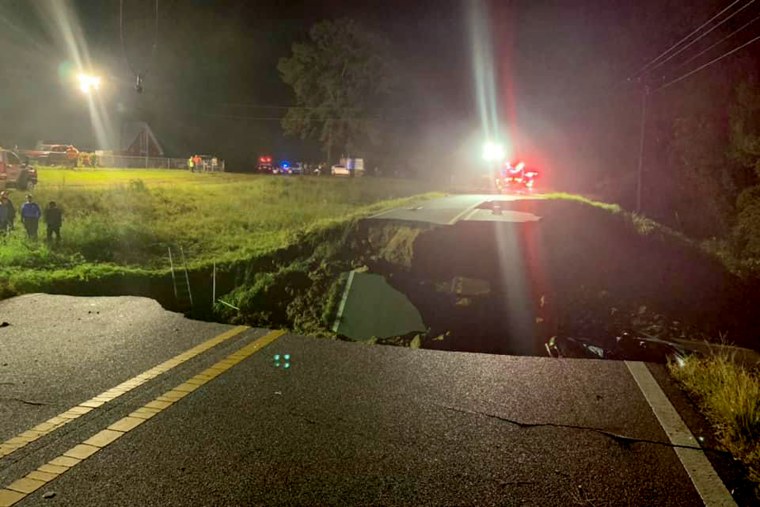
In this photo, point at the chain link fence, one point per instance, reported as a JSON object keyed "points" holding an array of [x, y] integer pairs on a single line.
{"points": [[131, 162]]}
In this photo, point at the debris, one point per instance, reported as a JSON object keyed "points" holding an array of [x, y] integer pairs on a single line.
{"points": [[49, 494], [5, 324], [622, 347]]}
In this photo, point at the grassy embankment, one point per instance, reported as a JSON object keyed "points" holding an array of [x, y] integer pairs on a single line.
{"points": [[729, 396], [120, 222]]}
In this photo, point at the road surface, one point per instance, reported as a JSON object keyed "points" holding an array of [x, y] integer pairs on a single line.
{"points": [[133, 405], [456, 208]]}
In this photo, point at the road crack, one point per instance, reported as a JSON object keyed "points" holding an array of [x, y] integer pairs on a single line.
{"points": [[623, 440], [26, 402]]}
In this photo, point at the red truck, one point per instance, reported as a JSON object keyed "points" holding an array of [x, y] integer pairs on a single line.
{"points": [[15, 173], [53, 154]]}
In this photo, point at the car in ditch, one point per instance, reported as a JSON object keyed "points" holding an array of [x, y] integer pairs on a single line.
{"points": [[16, 173]]}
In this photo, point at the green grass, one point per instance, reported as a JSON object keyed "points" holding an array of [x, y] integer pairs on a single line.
{"points": [[124, 220], [729, 396], [563, 196], [53, 177]]}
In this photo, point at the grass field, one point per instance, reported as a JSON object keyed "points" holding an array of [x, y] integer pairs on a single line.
{"points": [[105, 177], [125, 219]]}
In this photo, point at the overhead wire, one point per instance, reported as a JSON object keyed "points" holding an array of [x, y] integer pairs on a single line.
{"points": [[703, 35], [695, 31], [716, 60], [721, 41]]}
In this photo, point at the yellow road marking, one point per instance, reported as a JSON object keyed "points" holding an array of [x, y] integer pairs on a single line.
{"points": [[53, 424], [126, 424], [20, 489], [8, 497]]}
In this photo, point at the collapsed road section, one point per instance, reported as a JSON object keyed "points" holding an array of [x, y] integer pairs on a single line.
{"points": [[533, 276]]}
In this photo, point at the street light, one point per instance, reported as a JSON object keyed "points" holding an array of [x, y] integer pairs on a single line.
{"points": [[493, 152], [88, 83]]}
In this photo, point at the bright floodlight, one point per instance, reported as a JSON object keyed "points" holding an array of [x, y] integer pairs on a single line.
{"points": [[493, 152], [88, 83]]}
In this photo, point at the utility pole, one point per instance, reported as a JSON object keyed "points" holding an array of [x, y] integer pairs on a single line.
{"points": [[644, 100]]}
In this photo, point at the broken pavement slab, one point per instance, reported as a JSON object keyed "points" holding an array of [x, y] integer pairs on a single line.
{"points": [[373, 309]]}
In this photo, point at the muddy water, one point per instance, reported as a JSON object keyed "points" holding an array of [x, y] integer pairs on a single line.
{"points": [[477, 289]]}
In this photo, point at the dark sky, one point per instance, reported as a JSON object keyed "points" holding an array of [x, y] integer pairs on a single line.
{"points": [[212, 85]]}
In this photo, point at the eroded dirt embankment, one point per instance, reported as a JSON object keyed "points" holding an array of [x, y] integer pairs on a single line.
{"points": [[580, 272]]}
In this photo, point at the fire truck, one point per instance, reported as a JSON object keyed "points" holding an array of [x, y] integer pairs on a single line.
{"points": [[515, 178]]}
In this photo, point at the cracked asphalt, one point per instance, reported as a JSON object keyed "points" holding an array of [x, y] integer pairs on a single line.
{"points": [[345, 424]]}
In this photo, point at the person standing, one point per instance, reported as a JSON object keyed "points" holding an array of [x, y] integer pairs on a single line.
{"points": [[5, 200], [30, 215], [191, 164], [4, 228], [53, 219]]}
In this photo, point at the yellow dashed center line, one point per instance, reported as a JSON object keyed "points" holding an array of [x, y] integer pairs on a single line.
{"points": [[49, 426], [18, 490]]}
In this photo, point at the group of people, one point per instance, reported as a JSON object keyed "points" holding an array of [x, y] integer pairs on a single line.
{"points": [[196, 163], [30, 216]]}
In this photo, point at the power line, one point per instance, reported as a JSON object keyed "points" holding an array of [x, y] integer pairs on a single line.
{"points": [[138, 74], [662, 55], [279, 118], [310, 108], [674, 81], [703, 35], [724, 39]]}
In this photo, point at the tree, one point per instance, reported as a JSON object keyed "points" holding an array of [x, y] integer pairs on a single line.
{"points": [[697, 172], [341, 79], [745, 149], [745, 127]]}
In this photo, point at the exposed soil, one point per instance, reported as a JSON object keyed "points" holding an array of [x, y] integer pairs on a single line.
{"points": [[580, 272]]}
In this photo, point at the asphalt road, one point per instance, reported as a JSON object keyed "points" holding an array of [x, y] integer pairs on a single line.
{"points": [[447, 210], [344, 424]]}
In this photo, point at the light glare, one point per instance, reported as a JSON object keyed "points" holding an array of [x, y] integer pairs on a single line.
{"points": [[88, 83], [493, 152]]}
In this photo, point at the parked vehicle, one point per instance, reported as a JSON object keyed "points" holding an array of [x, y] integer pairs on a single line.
{"points": [[53, 154], [14, 172], [515, 179], [348, 167], [265, 165], [288, 168], [340, 170]]}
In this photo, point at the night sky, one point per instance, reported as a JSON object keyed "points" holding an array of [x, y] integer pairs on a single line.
{"points": [[212, 86]]}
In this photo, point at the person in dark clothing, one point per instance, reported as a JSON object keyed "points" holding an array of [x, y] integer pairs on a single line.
{"points": [[6, 200], [3, 216], [54, 219], [8, 213], [30, 215]]}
